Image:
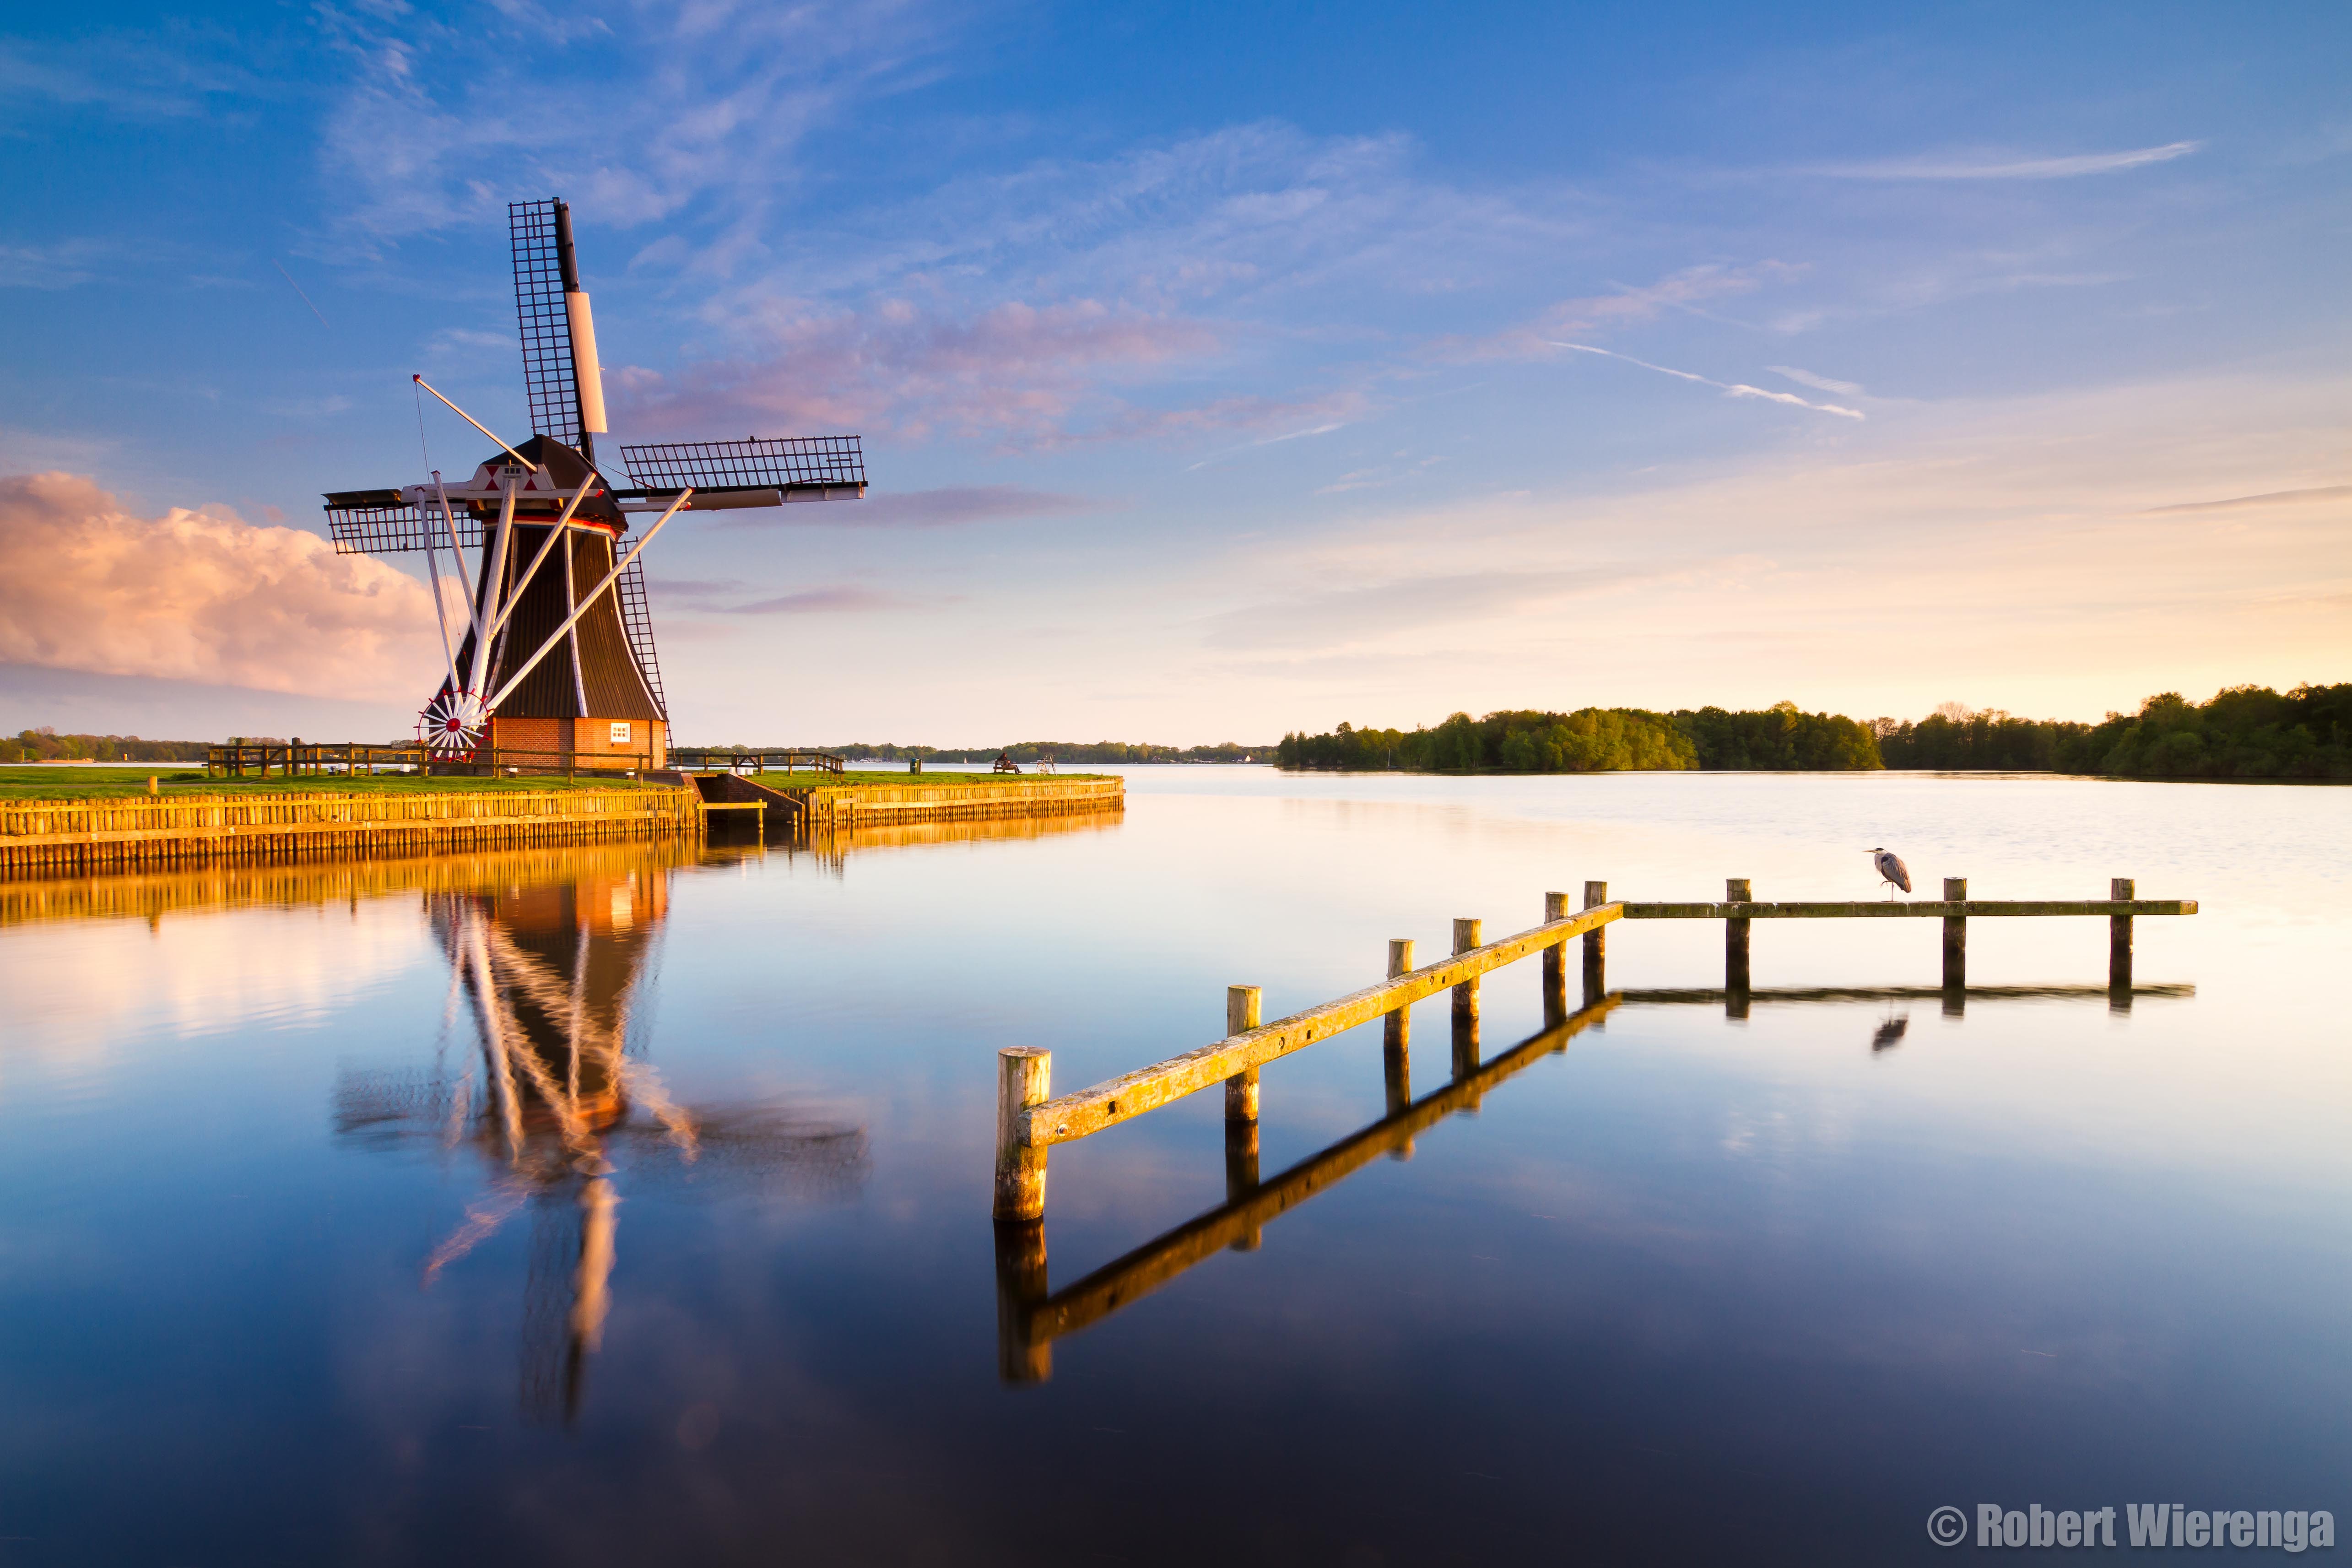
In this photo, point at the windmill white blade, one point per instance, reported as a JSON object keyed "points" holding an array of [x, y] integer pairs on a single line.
{"points": [[449, 520], [554, 533], [470, 420], [441, 610], [586, 602], [490, 580]]}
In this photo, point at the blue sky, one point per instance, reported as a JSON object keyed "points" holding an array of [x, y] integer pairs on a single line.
{"points": [[1222, 370]]}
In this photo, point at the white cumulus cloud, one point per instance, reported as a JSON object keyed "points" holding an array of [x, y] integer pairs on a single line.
{"points": [[199, 595]]}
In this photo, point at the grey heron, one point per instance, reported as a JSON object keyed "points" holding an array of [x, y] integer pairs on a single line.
{"points": [[1891, 868]]}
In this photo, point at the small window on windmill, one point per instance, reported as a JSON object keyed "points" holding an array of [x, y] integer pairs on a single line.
{"points": [[620, 734]]}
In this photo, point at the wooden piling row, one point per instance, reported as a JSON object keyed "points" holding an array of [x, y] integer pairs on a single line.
{"points": [[1027, 1126], [52, 837]]}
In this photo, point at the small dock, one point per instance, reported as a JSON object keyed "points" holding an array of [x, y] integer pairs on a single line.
{"points": [[820, 805], [1030, 1121]]}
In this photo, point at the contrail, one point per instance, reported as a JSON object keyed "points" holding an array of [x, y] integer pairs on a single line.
{"points": [[298, 289], [1732, 388]]}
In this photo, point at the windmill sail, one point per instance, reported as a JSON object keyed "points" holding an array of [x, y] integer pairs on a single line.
{"points": [[542, 233]]}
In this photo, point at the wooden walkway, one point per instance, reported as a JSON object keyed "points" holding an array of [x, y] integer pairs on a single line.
{"points": [[1030, 1121]]}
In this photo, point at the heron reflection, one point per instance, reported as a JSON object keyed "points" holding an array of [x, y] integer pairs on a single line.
{"points": [[562, 1108]]}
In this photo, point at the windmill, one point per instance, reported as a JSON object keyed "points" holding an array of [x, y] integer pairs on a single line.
{"points": [[556, 654]]}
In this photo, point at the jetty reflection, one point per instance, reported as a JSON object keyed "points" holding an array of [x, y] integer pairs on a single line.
{"points": [[1030, 1315], [830, 847], [562, 1108]]}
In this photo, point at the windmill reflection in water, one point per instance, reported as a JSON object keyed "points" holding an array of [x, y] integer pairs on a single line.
{"points": [[564, 1109]]}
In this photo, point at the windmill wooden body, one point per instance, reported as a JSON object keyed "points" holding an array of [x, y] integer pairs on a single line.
{"points": [[555, 664]]}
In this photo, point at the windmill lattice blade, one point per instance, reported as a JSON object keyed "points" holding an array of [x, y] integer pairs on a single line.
{"points": [[361, 529], [638, 624], [548, 378], [788, 463]]}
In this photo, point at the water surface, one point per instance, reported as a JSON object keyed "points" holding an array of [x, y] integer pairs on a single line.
{"points": [[629, 1204]]}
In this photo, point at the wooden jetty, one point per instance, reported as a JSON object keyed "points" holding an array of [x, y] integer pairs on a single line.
{"points": [[1030, 1315], [71, 835], [1030, 1121]]}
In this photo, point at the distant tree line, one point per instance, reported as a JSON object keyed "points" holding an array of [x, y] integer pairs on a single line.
{"points": [[46, 746], [1595, 740], [2243, 733]]}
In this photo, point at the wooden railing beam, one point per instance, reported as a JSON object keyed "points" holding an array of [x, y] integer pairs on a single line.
{"points": [[1071, 1117]]}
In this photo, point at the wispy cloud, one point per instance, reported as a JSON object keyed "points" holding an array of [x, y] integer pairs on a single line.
{"points": [[2271, 497], [1347, 617], [1681, 291], [59, 266], [2062, 168], [1022, 374], [1729, 388], [1819, 383], [950, 506], [838, 599]]}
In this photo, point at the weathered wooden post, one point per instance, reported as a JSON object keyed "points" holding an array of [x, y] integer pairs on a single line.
{"points": [[1596, 947], [1396, 1033], [1241, 1090], [2119, 948], [1737, 891], [1023, 1074], [1555, 965], [1956, 950], [1020, 1289], [1466, 1004]]}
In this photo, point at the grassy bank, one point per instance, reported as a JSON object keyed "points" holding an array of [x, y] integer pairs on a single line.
{"points": [[68, 783]]}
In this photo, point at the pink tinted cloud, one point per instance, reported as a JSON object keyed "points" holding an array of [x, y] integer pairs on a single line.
{"points": [[200, 595], [1022, 375]]}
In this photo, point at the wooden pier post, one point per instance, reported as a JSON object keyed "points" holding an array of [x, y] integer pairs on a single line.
{"points": [[1241, 1173], [1466, 1004], [1242, 1003], [1396, 1033], [1596, 947], [1023, 1074], [1737, 890], [1022, 1356], [1956, 950], [1555, 966], [2119, 948]]}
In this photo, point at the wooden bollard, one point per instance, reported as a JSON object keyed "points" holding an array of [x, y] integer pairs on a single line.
{"points": [[1396, 1033], [1022, 1076], [1956, 950], [1596, 947], [1737, 891], [1555, 965], [1242, 1003], [1465, 1002], [2119, 948]]}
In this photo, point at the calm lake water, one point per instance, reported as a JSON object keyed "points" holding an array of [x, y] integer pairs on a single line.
{"points": [[298, 1265]]}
